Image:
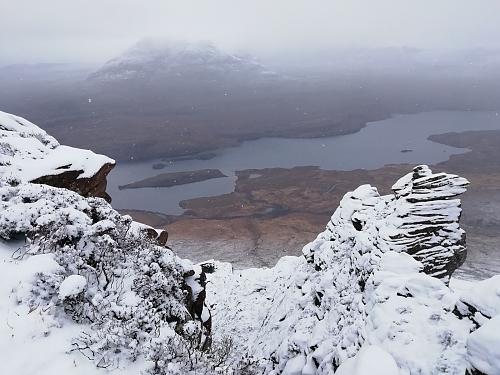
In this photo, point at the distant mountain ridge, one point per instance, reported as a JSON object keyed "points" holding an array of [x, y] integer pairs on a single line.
{"points": [[153, 58]]}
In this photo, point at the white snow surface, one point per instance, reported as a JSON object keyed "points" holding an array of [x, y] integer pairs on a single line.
{"points": [[32, 341], [28, 152], [483, 347], [369, 295], [72, 286], [370, 360], [484, 296]]}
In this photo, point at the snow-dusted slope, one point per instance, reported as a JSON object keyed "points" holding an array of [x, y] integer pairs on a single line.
{"points": [[79, 280], [85, 290]]}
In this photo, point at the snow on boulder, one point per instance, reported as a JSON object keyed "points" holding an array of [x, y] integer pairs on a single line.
{"points": [[399, 263], [28, 153], [483, 296], [483, 347], [370, 360], [72, 286]]}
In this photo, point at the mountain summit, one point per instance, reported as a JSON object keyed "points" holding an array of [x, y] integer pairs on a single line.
{"points": [[153, 59]]}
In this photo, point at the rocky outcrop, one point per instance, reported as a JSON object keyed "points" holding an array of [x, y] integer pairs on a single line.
{"points": [[94, 186], [429, 228], [421, 219], [29, 154], [376, 276]]}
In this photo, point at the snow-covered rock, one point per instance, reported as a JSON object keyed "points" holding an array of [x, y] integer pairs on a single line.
{"points": [[483, 347], [28, 153], [370, 360], [429, 228], [371, 278]]}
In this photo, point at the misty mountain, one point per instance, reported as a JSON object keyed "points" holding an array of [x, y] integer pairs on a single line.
{"points": [[150, 60], [163, 98]]}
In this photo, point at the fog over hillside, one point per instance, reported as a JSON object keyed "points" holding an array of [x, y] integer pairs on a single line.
{"points": [[59, 31]]}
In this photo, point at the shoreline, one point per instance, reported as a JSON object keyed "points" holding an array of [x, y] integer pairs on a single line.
{"points": [[307, 200]]}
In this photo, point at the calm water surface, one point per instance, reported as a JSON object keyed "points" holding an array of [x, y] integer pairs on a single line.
{"points": [[376, 145]]}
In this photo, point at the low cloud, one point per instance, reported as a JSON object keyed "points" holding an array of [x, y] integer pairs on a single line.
{"points": [[95, 30]]}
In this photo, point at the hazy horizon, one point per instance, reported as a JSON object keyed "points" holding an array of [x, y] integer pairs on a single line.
{"points": [[83, 32]]}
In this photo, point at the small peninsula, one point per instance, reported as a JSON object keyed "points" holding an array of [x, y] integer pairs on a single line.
{"points": [[174, 179]]}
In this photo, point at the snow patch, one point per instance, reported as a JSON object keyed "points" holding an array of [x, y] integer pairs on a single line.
{"points": [[483, 347], [370, 360], [72, 286]]}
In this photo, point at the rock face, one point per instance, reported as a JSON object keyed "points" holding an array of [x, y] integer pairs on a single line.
{"points": [[421, 219], [94, 186], [28, 153], [429, 230]]}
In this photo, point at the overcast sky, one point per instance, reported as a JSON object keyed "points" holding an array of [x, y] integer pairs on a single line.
{"points": [[95, 30]]}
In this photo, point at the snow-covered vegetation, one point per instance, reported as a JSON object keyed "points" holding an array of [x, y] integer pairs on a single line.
{"points": [[86, 290], [77, 259]]}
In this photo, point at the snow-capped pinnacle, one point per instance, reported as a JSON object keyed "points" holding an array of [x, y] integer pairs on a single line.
{"points": [[421, 219], [429, 216]]}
